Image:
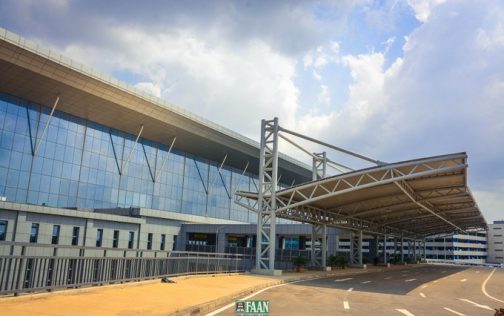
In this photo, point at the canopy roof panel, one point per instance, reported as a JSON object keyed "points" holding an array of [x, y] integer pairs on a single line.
{"points": [[416, 198]]}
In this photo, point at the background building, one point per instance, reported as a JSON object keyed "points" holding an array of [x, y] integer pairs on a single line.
{"points": [[496, 242], [458, 248]]}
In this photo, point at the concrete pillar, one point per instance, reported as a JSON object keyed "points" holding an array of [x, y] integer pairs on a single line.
{"points": [[221, 242], [21, 232], [90, 235]]}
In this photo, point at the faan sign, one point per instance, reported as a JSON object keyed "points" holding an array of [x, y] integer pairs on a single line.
{"points": [[252, 308]]}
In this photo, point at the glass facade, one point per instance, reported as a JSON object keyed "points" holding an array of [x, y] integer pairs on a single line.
{"points": [[83, 164]]}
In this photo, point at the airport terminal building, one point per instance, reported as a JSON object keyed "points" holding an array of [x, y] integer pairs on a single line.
{"points": [[86, 160], [90, 166]]}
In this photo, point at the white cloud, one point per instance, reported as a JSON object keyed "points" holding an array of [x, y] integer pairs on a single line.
{"points": [[150, 88], [321, 56], [491, 203], [308, 60], [388, 43], [236, 63], [236, 86], [423, 8], [444, 95], [324, 96]]}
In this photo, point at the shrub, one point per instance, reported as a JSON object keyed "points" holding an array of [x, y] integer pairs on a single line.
{"points": [[333, 260], [299, 261], [341, 261], [394, 259]]}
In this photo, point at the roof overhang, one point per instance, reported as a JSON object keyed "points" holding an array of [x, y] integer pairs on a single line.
{"points": [[39, 75], [415, 198]]}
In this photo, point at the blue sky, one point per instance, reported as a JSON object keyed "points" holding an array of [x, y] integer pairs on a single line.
{"points": [[393, 80]]}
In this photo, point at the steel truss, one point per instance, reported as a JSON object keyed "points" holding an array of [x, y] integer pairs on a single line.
{"points": [[266, 202], [333, 186], [305, 202], [319, 231]]}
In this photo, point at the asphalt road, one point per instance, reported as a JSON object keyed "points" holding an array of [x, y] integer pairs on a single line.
{"points": [[414, 290]]}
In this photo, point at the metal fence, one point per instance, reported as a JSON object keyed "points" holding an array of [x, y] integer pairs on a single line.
{"points": [[31, 273], [283, 257], [464, 263]]}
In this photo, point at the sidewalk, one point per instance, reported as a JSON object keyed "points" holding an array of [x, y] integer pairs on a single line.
{"points": [[188, 296]]}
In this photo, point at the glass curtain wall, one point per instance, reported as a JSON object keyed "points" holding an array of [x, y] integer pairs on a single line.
{"points": [[79, 163]]}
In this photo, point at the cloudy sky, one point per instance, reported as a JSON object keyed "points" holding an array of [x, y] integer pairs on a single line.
{"points": [[393, 80]]}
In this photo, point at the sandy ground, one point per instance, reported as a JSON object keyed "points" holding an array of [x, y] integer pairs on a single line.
{"points": [[150, 297], [132, 299]]}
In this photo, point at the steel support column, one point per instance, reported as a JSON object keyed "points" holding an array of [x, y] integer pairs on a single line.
{"points": [[318, 257], [402, 249], [385, 259], [210, 185], [356, 248], [39, 140], [268, 175], [125, 163], [409, 249], [323, 246], [377, 247], [319, 166], [158, 172], [414, 250], [425, 250]]}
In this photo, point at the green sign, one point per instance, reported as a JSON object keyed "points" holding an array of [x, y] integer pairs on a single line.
{"points": [[252, 308]]}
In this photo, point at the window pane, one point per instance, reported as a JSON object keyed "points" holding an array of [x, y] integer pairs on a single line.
{"points": [[34, 233], [75, 236], [55, 234], [3, 230], [99, 237]]}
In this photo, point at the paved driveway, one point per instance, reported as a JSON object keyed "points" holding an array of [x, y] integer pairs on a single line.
{"points": [[421, 290]]}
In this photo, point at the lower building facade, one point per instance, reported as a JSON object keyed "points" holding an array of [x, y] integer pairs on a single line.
{"points": [[38, 230]]}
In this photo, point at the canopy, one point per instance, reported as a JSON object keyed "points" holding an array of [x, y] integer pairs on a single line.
{"points": [[414, 198]]}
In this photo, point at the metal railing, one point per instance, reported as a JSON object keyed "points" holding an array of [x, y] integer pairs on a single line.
{"points": [[459, 262], [31, 273]]}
